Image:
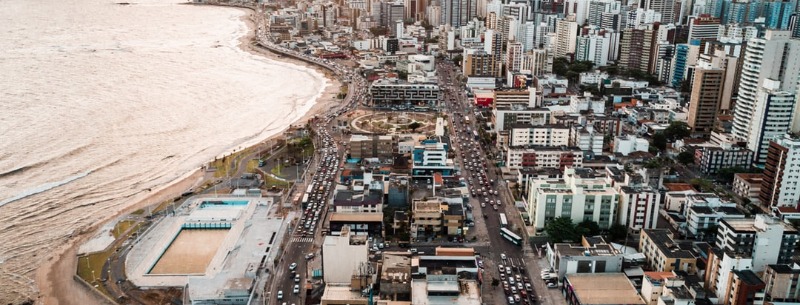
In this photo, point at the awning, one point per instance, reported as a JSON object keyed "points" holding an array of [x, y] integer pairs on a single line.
{"points": [[316, 273]]}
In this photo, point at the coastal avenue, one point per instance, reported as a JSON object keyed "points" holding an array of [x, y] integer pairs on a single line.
{"points": [[300, 256]]}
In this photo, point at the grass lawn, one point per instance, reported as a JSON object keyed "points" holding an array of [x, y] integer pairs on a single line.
{"points": [[121, 227], [93, 262], [251, 166]]}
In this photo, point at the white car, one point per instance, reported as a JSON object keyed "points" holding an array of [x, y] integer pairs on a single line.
{"points": [[296, 289], [293, 266], [280, 294], [503, 256]]}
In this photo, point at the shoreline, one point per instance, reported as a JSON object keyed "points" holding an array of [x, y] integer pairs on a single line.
{"points": [[54, 278]]}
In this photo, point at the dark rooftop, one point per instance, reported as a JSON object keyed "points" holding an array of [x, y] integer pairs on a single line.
{"points": [[666, 245], [749, 277]]}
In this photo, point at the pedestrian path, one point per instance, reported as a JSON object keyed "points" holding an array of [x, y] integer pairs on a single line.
{"points": [[302, 239]]}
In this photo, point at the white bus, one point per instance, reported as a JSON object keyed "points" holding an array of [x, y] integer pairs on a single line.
{"points": [[503, 220]]}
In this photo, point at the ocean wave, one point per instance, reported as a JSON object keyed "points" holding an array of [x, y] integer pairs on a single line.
{"points": [[43, 188]]}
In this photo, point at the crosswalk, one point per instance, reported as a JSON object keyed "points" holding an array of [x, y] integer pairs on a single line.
{"points": [[302, 239]]}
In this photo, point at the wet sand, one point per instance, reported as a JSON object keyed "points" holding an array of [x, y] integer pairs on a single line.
{"points": [[54, 278]]}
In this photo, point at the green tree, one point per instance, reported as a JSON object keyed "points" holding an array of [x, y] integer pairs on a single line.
{"points": [[660, 141], [703, 185], [495, 282], [588, 228], [617, 232], [686, 157], [414, 125], [677, 130], [457, 60], [562, 229], [560, 66]]}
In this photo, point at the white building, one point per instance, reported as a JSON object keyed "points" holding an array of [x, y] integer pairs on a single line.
{"points": [[573, 196], [586, 102], [343, 255], [506, 116], [772, 117], [638, 206], [721, 264], [587, 139], [559, 157], [543, 135], [766, 240], [704, 211], [593, 48], [566, 36], [776, 57], [629, 143], [592, 78]]}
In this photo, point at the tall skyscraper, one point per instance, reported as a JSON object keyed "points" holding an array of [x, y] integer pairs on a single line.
{"points": [[567, 34], [772, 118], [781, 173], [458, 12], [635, 48], [665, 7], [593, 47], [774, 57], [705, 98]]}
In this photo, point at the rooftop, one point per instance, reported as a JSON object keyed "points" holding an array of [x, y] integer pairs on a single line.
{"points": [[360, 217], [669, 248], [603, 288]]}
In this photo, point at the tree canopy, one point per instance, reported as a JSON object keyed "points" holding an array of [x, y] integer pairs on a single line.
{"points": [[562, 229], [686, 157], [677, 130]]}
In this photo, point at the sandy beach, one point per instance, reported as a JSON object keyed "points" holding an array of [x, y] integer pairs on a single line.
{"points": [[55, 278]]}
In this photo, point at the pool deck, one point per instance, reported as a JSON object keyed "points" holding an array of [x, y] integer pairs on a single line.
{"points": [[246, 244]]}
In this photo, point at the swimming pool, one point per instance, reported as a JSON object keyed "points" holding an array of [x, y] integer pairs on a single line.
{"points": [[222, 203]]}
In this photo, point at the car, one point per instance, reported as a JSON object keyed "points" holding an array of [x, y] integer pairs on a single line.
{"points": [[520, 287], [413, 250], [280, 294], [518, 278], [513, 290], [510, 300], [293, 266], [503, 256], [552, 285], [501, 268], [297, 278], [296, 289], [511, 280], [516, 298], [528, 287], [381, 245]]}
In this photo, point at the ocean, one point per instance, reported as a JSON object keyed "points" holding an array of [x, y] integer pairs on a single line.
{"points": [[100, 102]]}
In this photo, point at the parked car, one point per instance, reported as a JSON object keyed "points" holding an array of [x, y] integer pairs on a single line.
{"points": [[293, 266], [280, 294], [296, 289]]}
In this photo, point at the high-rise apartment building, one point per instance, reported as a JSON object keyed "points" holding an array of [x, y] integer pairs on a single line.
{"points": [[594, 48], [457, 13], [781, 173], [765, 239], [665, 7], [772, 118], [598, 7], [705, 98], [573, 197], [514, 57], [566, 36], [774, 56], [635, 48]]}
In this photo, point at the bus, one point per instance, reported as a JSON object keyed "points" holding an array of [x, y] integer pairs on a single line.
{"points": [[510, 236], [503, 220]]}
